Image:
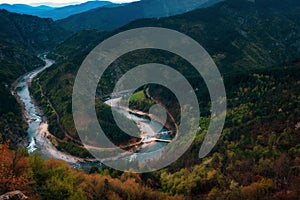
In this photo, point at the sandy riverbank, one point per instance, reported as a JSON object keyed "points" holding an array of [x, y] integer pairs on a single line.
{"points": [[43, 142], [147, 131]]}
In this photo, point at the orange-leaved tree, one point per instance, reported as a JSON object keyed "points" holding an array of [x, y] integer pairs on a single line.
{"points": [[14, 169]]}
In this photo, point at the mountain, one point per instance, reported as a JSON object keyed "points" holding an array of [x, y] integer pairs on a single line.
{"points": [[30, 32], [256, 47], [25, 9], [64, 12], [111, 18], [22, 38], [55, 13], [241, 36]]}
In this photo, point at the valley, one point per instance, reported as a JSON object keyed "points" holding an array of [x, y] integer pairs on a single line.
{"points": [[42, 141], [256, 47]]}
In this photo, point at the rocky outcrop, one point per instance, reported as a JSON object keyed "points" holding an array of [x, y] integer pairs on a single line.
{"points": [[15, 195]]}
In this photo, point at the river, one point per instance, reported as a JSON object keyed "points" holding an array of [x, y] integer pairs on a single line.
{"points": [[38, 134], [31, 112]]}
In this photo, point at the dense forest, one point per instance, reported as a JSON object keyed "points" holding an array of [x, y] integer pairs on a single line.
{"points": [[113, 17], [257, 156], [18, 47], [235, 44], [255, 46]]}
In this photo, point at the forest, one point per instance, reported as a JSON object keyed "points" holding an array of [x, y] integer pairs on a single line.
{"points": [[256, 48], [258, 153]]}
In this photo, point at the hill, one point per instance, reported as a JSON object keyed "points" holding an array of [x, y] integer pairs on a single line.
{"points": [[52, 12], [22, 38], [24, 9], [256, 46], [111, 18], [30, 32], [241, 37]]}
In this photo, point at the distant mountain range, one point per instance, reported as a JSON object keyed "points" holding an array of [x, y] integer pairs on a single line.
{"points": [[111, 18], [55, 13], [104, 15]]}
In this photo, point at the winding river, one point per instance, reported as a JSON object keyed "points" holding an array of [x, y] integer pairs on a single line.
{"points": [[31, 112], [38, 135]]}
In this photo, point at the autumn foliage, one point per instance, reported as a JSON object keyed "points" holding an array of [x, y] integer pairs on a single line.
{"points": [[56, 180], [14, 169]]}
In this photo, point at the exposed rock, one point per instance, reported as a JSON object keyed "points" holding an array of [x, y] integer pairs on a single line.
{"points": [[297, 126], [15, 195]]}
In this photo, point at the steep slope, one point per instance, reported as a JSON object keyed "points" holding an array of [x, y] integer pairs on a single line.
{"points": [[55, 13], [22, 37], [257, 156], [241, 36], [112, 18], [30, 32]]}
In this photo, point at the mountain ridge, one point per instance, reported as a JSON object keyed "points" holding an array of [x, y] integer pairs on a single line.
{"points": [[52, 12], [230, 36], [256, 47], [105, 19]]}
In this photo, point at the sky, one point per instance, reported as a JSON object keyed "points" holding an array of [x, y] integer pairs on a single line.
{"points": [[54, 2]]}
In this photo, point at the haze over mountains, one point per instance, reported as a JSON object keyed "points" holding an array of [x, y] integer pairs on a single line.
{"points": [[104, 15], [55, 13], [111, 18]]}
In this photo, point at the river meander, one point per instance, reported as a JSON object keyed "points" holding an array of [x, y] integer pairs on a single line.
{"points": [[38, 130]]}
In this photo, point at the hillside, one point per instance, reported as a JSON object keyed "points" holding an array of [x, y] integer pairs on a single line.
{"points": [[257, 155], [24, 9], [240, 35], [256, 46], [52, 12], [111, 18], [236, 47], [30, 32], [22, 38]]}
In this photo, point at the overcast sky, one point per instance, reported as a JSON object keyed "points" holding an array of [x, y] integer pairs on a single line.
{"points": [[55, 2]]}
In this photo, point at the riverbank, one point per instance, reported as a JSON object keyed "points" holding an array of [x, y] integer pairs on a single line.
{"points": [[148, 133], [44, 141], [169, 124], [41, 140], [38, 136]]}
